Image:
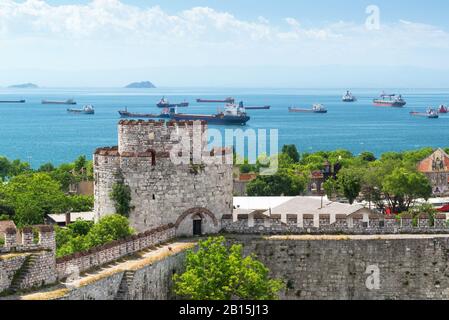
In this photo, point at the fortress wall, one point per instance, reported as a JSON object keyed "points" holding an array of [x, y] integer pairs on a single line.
{"points": [[408, 267], [151, 282], [83, 261], [246, 224], [9, 264], [26, 263]]}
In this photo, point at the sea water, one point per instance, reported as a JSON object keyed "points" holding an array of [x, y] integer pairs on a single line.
{"points": [[40, 133]]}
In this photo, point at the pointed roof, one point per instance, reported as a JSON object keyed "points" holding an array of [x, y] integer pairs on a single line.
{"points": [[436, 162]]}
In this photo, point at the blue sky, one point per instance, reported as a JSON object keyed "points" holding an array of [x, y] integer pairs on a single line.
{"points": [[432, 12], [224, 43]]}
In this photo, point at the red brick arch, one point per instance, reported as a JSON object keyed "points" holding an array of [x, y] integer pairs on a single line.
{"points": [[196, 211]]}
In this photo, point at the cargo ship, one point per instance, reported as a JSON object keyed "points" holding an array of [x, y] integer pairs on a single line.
{"points": [[163, 103], [70, 101], [390, 100], [87, 109], [126, 114], [430, 113], [254, 107], [348, 97], [12, 101], [443, 109], [316, 108], [227, 100], [232, 115]]}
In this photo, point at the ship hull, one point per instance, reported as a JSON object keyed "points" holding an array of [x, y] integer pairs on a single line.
{"points": [[215, 101], [225, 120], [13, 101], [306, 111], [76, 111], [58, 102], [179, 105], [125, 114], [258, 108], [424, 115], [389, 104]]}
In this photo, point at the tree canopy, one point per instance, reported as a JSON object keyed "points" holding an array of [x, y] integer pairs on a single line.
{"points": [[217, 271]]}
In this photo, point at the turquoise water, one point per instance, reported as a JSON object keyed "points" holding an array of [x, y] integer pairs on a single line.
{"points": [[41, 133]]}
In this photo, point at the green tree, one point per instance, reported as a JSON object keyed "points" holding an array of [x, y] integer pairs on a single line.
{"points": [[18, 167], [367, 156], [109, 228], [280, 184], [32, 196], [330, 186], [219, 272], [83, 235], [292, 152], [121, 195], [80, 227], [402, 187], [80, 203], [4, 168], [47, 167], [349, 184]]}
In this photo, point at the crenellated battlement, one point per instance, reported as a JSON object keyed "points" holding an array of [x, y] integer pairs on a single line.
{"points": [[363, 224], [143, 136], [46, 240]]}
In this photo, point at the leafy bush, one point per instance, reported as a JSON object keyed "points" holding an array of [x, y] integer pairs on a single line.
{"points": [[121, 195], [218, 272], [82, 235]]}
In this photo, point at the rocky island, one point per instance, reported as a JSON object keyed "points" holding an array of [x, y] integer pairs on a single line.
{"points": [[24, 86], [141, 85]]}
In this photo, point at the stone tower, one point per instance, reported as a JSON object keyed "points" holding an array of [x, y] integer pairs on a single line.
{"points": [[193, 196]]}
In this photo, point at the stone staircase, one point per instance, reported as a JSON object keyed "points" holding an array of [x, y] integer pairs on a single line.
{"points": [[125, 285], [21, 273]]}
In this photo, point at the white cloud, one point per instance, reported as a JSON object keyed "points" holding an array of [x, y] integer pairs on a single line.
{"points": [[105, 33]]}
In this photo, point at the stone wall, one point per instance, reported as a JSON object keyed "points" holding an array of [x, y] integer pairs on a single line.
{"points": [[83, 261], [324, 224], [151, 282], [379, 268], [28, 263], [158, 185]]}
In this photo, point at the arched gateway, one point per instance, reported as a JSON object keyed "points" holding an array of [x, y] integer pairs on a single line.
{"points": [[196, 221]]}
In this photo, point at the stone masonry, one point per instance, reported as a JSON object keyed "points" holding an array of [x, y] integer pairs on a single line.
{"points": [[162, 191], [27, 264]]}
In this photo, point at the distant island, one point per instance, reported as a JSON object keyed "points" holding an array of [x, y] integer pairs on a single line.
{"points": [[141, 85], [24, 86]]}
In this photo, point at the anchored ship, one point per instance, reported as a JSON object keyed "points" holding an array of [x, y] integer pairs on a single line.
{"points": [[316, 108], [348, 97], [70, 101], [12, 101], [443, 109], [390, 100], [430, 113], [126, 114], [87, 109], [232, 115], [254, 107], [163, 103], [227, 100]]}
